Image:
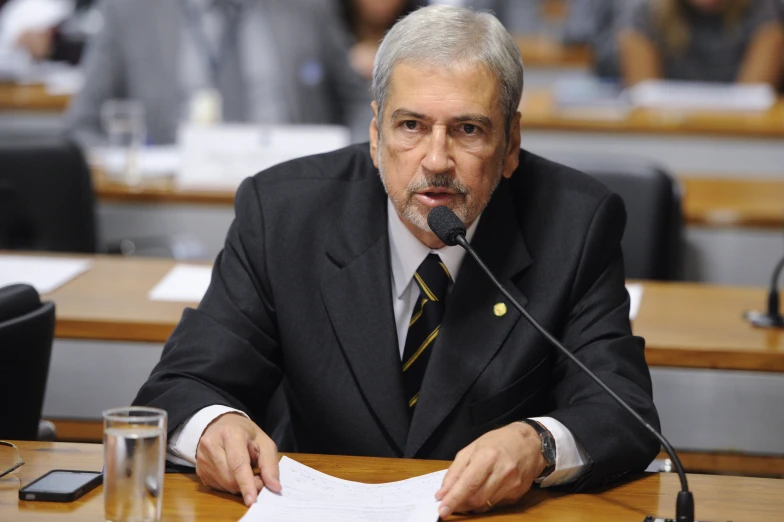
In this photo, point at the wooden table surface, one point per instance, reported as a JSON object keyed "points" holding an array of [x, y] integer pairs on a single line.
{"points": [[707, 201], [691, 325], [541, 113], [717, 498], [736, 202], [109, 301], [685, 325], [30, 98]]}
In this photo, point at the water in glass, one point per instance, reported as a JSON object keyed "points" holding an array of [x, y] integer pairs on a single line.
{"points": [[133, 476]]}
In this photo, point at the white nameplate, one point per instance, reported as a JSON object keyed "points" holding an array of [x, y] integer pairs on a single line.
{"points": [[221, 156]]}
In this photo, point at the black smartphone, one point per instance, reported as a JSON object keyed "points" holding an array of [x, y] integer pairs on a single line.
{"points": [[61, 485]]}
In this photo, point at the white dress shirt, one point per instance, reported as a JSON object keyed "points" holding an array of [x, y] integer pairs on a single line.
{"points": [[406, 254]]}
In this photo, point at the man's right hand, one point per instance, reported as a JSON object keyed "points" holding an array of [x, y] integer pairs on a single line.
{"points": [[227, 451]]}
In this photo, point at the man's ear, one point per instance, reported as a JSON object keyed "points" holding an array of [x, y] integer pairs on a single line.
{"points": [[374, 133], [512, 160]]}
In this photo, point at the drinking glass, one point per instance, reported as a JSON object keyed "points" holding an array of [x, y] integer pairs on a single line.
{"points": [[124, 124], [134, 441]]}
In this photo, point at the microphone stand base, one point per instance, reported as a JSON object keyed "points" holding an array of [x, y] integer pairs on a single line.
{"points": [[763, 320], [654, 519]]}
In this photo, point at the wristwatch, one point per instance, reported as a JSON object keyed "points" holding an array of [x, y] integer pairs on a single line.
{"points": [[548, 446]]}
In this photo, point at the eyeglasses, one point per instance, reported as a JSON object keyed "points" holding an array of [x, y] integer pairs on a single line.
{"points": [[10, 459]]}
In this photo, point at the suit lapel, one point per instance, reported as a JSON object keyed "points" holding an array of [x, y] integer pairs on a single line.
{"points": [[358, 299], [471, 333]]}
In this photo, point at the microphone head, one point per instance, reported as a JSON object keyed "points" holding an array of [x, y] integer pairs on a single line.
{"points": [[446, 225]]}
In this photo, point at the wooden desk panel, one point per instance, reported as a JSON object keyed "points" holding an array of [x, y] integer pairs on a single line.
{"points": [[541, 113], [691, 325], [30, 98], [716, 497], [707, 201], [685, 325], [733, 202]]}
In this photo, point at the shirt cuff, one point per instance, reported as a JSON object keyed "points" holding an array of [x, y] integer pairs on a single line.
{"points": [[185, 439], [570, 457]]}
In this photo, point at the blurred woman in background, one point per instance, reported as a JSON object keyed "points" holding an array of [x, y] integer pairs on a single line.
{"points": [[703, 40], [367, 21]]}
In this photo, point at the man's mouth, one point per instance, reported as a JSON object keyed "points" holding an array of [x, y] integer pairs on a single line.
{"points": [[434, 197]]}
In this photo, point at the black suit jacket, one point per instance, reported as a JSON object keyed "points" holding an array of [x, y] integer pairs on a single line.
{"points": [[303, 290]]}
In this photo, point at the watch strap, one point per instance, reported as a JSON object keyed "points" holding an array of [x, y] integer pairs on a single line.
{"points": [[544, 433]]}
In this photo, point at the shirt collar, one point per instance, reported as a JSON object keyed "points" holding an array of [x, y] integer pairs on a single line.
{"points": [[407, 252]]}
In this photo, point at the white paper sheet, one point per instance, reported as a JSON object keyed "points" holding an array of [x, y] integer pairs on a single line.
{"points": [[45, 274], [311, 496], [635, 296], [183, 283], [699, 96]]}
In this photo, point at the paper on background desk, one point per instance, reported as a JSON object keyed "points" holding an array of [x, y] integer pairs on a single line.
{"points": [[635, 296], [45, 274], [701, 96], [311, 496], [183, 283]]}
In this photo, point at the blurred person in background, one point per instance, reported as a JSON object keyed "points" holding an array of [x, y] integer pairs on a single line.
{"points": [[367, 21], [269, 62], [46, 30], [597, 23], [520, 17], [703, 40], [62, 41]]}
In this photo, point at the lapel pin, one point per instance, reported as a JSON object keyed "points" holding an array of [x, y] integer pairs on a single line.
{"points": [[499, 309]]}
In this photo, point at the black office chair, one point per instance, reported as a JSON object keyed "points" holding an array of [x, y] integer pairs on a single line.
{"points": [[47, 204], [653, 242], [46, 197], [26, 334]]}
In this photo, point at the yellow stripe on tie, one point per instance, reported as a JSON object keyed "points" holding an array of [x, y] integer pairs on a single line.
{"points": [[422, 348], [425, 289], [445, 270], [413, 400], [418, 314]]}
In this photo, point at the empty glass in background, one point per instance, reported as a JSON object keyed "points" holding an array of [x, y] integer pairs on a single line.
{"points": [[126, 130], [134, 441]]}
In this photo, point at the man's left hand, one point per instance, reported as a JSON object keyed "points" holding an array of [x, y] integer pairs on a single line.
{"points": [[496, 469]]}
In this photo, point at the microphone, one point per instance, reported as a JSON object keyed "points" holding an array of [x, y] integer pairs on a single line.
{"points": [[771, 319], [451, 231]]}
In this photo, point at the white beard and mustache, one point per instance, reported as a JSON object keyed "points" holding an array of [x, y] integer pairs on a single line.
{"points": [[464, 206]]}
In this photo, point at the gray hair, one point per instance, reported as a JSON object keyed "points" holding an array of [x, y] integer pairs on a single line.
{"points": [[441, 36]]}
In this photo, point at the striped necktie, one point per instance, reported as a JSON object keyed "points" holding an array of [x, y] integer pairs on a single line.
{"points": [[433, 278]]}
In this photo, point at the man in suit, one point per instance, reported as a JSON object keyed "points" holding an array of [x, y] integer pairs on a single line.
{"points": [[388, 343], [271, 61]]}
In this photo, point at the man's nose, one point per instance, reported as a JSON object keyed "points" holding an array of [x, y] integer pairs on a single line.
{"points": [[438, 157]]}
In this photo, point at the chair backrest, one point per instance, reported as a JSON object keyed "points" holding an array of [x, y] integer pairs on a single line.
{"points": [[46, 197], [26, 335], [653, 241]]}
